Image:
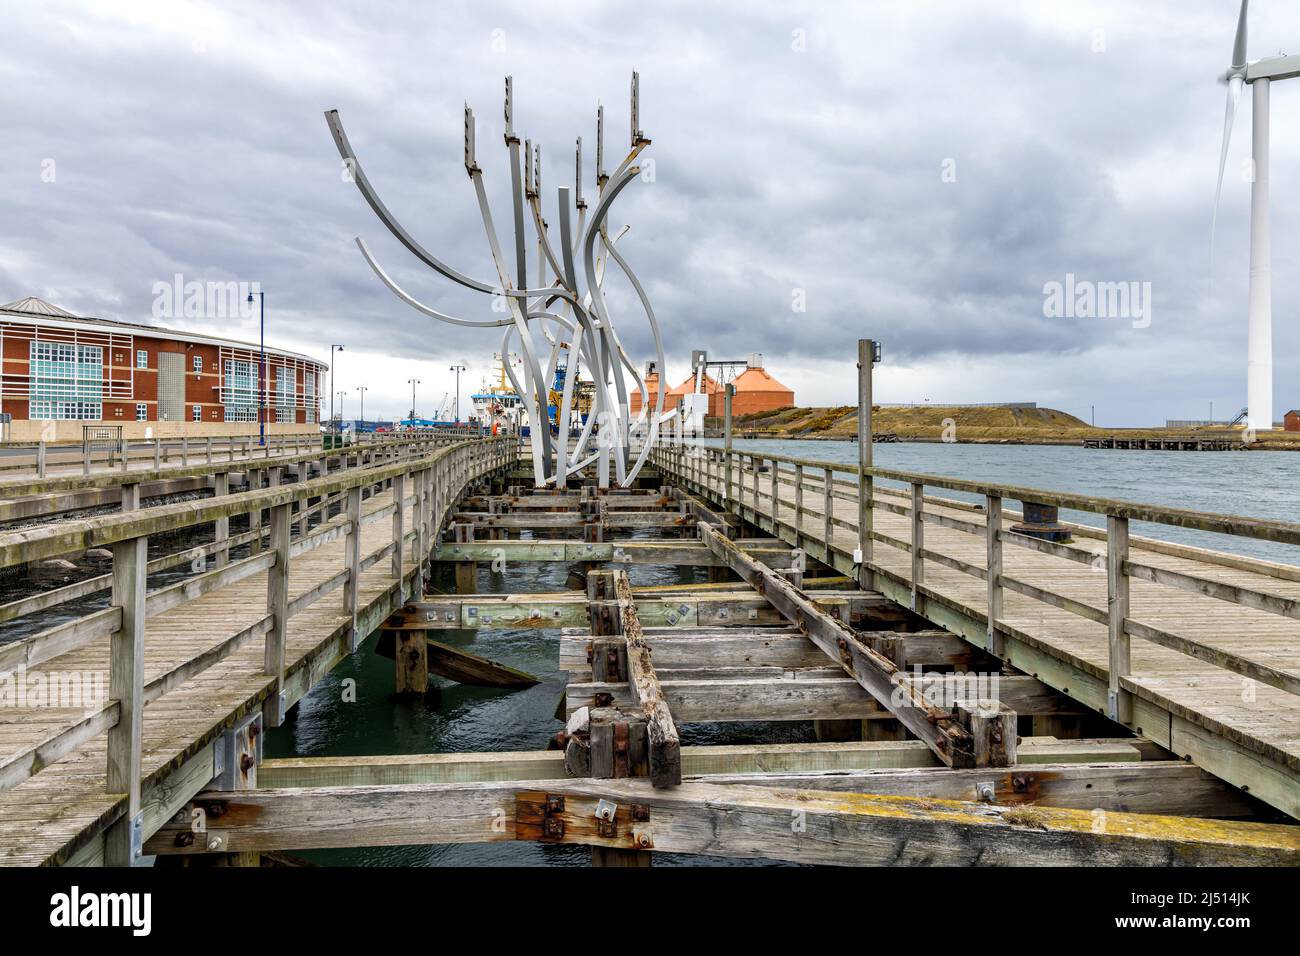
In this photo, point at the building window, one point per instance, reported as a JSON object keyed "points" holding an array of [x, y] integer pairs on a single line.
{"points": [[239, 391], [141, 412], [197, 413], [141, 358], [198, 364], [67, 381], [285, 393], [309, 395]]}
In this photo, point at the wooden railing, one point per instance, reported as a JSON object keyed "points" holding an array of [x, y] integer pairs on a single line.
{"points": [[725, 472], [193, 462], [260, 473], [428, 484], [159, 451]]}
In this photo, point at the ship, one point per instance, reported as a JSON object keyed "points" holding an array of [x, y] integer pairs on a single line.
{"points": [[497, 405]]}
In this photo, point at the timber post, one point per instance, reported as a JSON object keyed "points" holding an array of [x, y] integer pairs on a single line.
{"points": [[866, 483], [277, 605], [727, 399], [993, 560], [221, 526], [992, 727], [466, 571], [352, 558], [1119, 701], [918, 545], [126, 686]]}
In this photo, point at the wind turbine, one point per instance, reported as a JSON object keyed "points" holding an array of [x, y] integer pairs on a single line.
{"points": [[1259, 74]]}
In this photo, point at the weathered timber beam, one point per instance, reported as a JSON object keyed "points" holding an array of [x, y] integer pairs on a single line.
{"points": [[718, 820], [1172, 788], [826, 758], [685, 553], [719, 697], [921, 648], [708, 649], [701, 512], [664, 746], [609, 519], [570, 610], [876, 674]]}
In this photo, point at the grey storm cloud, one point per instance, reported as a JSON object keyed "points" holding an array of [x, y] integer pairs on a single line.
{"points": [[799, 149]]}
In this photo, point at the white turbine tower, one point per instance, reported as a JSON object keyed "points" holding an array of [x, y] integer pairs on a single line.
{"points": [[1259, 341]]}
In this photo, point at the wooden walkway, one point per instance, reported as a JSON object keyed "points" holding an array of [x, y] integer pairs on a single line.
{"points": [[60, 806], [1054, 615]]}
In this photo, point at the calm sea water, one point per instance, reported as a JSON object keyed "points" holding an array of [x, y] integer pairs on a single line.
{"points": [[1263, 484], [457, 718]]}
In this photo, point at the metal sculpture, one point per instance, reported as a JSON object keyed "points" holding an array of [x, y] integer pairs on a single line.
{"points": [[567, 316]]}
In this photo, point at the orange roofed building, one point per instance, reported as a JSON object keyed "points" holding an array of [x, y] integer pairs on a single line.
{"points": [[756, 391]]}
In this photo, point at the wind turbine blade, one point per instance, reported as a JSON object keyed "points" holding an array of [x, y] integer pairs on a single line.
{"points": [[1239, 44], [1230, 113]]}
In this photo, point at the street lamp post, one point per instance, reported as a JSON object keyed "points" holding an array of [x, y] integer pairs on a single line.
{"points": [[261, 369], [362, 389], [412, 382], [340, 395], [458, 369], [332, 350]]}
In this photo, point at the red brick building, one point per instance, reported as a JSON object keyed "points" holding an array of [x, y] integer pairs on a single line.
{"points": [[1291, 420], [60, 371]]}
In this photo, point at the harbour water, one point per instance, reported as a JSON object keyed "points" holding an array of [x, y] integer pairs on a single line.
{"points": [[459, 718]]}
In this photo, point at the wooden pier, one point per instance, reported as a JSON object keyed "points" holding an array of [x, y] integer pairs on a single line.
{"points": [[980, 695]]}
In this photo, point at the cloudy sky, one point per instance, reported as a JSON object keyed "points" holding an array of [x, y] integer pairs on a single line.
{"points": [[912, 171]]}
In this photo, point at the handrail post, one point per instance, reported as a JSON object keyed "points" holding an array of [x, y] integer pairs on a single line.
{"points": [[754, 464], [399, 534], [254, 481], [727, 396], [221, 526], [828, 508], [185, 451], [866, 483], [774, 478], [157, 453], [352, 555], [798, 506], [418, 522], [208, 447], [993, 642], [40, 459], [277, 605], [126, 686], [1119, 702], [918, 544]]}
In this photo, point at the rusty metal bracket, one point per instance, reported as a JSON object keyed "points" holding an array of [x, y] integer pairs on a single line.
{"points": [[607, 819], [539, 816]]}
